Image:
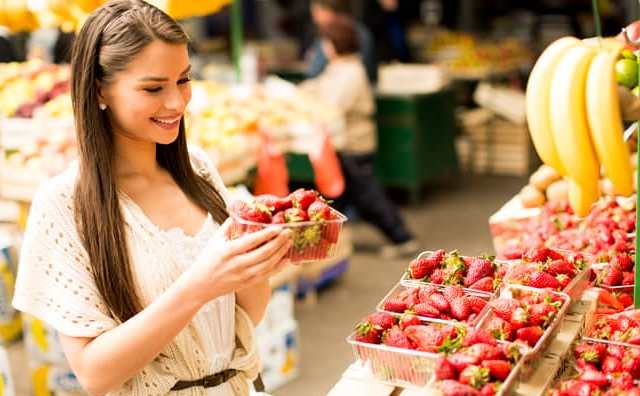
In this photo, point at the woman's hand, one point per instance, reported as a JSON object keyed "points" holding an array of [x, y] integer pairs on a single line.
{"points": [[229, 266]]}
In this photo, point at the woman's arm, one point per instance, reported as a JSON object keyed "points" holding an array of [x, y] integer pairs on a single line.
{"points": [[254, 300]]}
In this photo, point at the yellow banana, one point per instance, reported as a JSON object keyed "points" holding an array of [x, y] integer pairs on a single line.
{"points": [[569, 120], [605, 43], [537, 101], [605, 122], [582, 198]]}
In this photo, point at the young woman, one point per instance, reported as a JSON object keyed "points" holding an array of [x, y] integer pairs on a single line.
{"points": [[344, 85], [126, 254]]}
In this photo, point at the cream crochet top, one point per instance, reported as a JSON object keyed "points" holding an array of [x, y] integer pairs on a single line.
{"points": [[54, 283]]}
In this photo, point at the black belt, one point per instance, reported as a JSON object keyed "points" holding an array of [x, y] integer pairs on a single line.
{"points": [[206, 382]]}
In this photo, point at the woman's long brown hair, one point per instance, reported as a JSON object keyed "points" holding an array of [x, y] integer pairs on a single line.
{"points": [[108, 40]]}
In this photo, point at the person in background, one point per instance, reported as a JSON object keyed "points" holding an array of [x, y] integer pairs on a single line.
{"points": [[344, 85], [387, 20], [7, 53], [323, 13]]}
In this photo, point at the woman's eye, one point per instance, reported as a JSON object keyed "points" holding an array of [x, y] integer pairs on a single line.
{"points": [[153, 90], [184, 80]]}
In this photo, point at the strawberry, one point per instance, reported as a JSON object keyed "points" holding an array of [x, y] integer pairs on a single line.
{"points": [[474, 376], [426, 338], [557, 267], [500, 329], [395, 337], [408, 320], [461, 360], [366, 332], [278, 218], [485, 352], [381, 320], [331, 232], [489, 389], [530, 335], [445, 370], [426, 310], [504, 307], [542, 280], [319, 210], [251, 212], [478, 268], [478, 336], [476, 303], [631, 364], [564, 280], [611, 365], [616, 351], [484, 284], [395, 305], [460, 308], [499, 369], [594, 377], [295, 215], [454, 388], [423, 267], [611, 276], [624, 262], [628, 279], [273, 203], [438, 276], [439, 302], [452, 292], [411, 296], [424, 293], [591, 353], [541, 314], [303, 198], [625, 299], [622, 380], [540, 255]]}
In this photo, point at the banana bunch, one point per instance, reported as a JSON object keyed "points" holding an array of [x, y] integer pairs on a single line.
{"points": [[575, 120]]}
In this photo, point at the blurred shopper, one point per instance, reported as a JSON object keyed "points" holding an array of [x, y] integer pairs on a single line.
{"points": [[344, 85], [7, 53], [388, 20], [324, 13]]}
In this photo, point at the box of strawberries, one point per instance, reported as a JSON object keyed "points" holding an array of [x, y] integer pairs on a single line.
{"points": [[315, 224]]}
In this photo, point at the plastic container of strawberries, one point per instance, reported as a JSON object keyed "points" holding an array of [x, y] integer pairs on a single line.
{"points": [[591, 324], [399, 288], [597, 268], [549, 332], [575, 288], [312, 240], [408, 281]]}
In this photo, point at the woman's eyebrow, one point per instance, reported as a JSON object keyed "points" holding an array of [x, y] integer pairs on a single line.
{"points": [[163, 79]]}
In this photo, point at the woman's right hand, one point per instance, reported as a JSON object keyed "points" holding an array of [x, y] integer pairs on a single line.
{"points": [[227, 266]]}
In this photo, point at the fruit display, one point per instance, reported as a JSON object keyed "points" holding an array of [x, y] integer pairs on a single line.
{"points": [[575, 119], [484, 368], [617, 272], [546, 268], [482, 273], [315, 224], [525, 315], [622, 328], [446, 303], [607, 370]]}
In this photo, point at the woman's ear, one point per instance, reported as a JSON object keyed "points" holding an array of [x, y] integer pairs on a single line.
{"points": [[101, 97]]}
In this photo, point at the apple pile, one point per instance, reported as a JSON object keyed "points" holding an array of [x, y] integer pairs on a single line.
{"points": [[315, 224]]}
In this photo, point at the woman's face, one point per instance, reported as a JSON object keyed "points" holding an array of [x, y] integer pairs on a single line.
{"points": [[147, 100]]}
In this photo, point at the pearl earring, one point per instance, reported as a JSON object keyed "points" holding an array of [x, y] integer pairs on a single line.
{"points": [[103, 106]]}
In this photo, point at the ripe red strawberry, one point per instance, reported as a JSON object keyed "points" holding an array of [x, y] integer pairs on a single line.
{"points": [[439, 302], [452, 292], [474, 376], [541, 314], [486, 352], [445, 370], [295, 215], [594, 377], [489, 389], [331, 232], [382, 320], [425, 338], [564, 280], [611, 276], [484, 284], [251, 212], [611, 365], [460, 308], [454, 388], [278, 218], [461, 360], [628, 279], [395, 305], [423, 267], [616, 351], [426, 310], [424, 292], [476, 303], [303, 198], [478, 268], [591, 353], [622, 380], [557, 267], [624, 262], [631, 364], [500, 329], [395, 337], [366, 332], [504, 307], [319, 210], [578, 388], [438, 276], [411, 296], [478, 336], [273, 203], [530, 335], [540, 255], [499, 369], [625, 299], [542, 280]]}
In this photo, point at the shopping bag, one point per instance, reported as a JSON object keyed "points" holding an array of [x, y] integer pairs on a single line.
{"points": [[272, 175], [326, 168]]}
